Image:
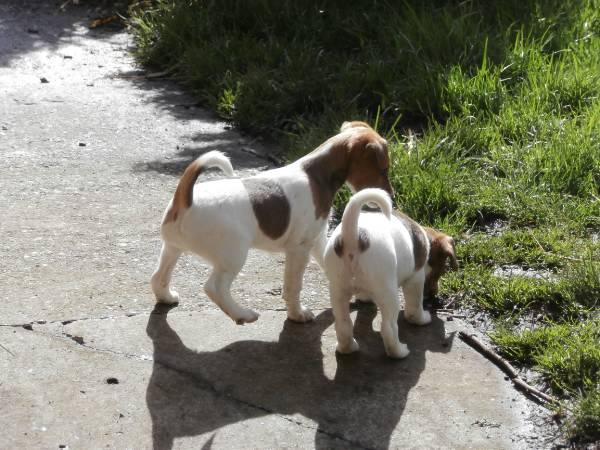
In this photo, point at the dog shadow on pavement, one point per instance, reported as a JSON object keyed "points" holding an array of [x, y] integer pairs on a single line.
{"points": [[191, 393]]}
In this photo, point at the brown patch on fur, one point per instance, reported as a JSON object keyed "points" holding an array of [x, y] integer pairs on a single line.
{"points": [[369, 161], [418, 237], [184, 194], [441, 250], [363, 243], [363, 240], [357, 155], [327, 169], [270, 205], [338, 246]]}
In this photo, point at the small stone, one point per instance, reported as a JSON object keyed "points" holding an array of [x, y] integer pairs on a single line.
{"points": [[44, 80], [112, 380], [82, 144], [33, 31], [67, 57]]}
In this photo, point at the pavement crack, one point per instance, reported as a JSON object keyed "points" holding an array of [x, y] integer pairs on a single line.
{"points": [[7, 350], [29, 325], [63, 335], [81, 342], [78, 339]]}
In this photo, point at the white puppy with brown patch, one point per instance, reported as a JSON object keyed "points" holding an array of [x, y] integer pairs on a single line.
{"points": [[280, 210], [374, 253]]}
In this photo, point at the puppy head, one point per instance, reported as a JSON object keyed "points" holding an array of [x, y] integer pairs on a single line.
{"points": [[369, 159], [441, 254]]}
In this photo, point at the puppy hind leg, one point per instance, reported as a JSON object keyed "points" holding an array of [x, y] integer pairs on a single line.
{"points": [[413, 300], [161, 278], [295, 265], [340, 303], [218, 289], [390, 310]]}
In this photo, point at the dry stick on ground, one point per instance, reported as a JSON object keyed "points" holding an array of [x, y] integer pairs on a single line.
{"points": [[506, 367]]}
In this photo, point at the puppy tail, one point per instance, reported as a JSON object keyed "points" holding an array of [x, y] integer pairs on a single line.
{"points": [[351, 237], [184, 194]]}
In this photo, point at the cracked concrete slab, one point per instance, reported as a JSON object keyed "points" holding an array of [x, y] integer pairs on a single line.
{"points": [[90, 159], [273, 384]]}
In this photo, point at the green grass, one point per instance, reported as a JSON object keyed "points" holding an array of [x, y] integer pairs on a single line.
{"points": [[492, 112]]}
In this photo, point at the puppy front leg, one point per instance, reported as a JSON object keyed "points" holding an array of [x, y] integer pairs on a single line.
{"points": [[161, 278], [413, 300], [295, 264], [340, 303]]}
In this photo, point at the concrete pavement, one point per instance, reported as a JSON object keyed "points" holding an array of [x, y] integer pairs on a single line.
{"points": [[90, 157]]}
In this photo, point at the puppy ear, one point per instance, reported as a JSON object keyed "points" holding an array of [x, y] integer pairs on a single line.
{"points": [[354, 124], [448, 248], [383, 160]]}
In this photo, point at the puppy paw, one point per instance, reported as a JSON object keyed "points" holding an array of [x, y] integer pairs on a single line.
{"points": [[347, 347], [302, 315], [168, 297], [418, 319], [246, 316], [398, 351]]}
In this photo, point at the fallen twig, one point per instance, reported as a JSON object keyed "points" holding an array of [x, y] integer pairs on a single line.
{"points": [[512, 373], [146, 76], [450, 303]]}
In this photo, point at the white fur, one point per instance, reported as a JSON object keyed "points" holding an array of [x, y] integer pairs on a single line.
{"points": [[221, 227], [217, 159], [385, 265]]}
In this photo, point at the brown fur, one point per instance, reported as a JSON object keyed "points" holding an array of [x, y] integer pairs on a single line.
{"points": [[419, 239], [338, 246], [363, 240], [184, 194], [363, 243], [270, 205], [361, 158], [441, 250]]}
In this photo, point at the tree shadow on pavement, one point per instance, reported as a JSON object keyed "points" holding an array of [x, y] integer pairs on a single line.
{"points": [[170, 97], [191, 393], [176, 163], [27, 26]]}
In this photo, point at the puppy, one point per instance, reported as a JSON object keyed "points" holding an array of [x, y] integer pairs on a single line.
{"points": [[374, 253], [279, 210]]}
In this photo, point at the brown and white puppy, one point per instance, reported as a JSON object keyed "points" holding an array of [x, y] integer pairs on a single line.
{"points": [[374, 253], [280, 210]]}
